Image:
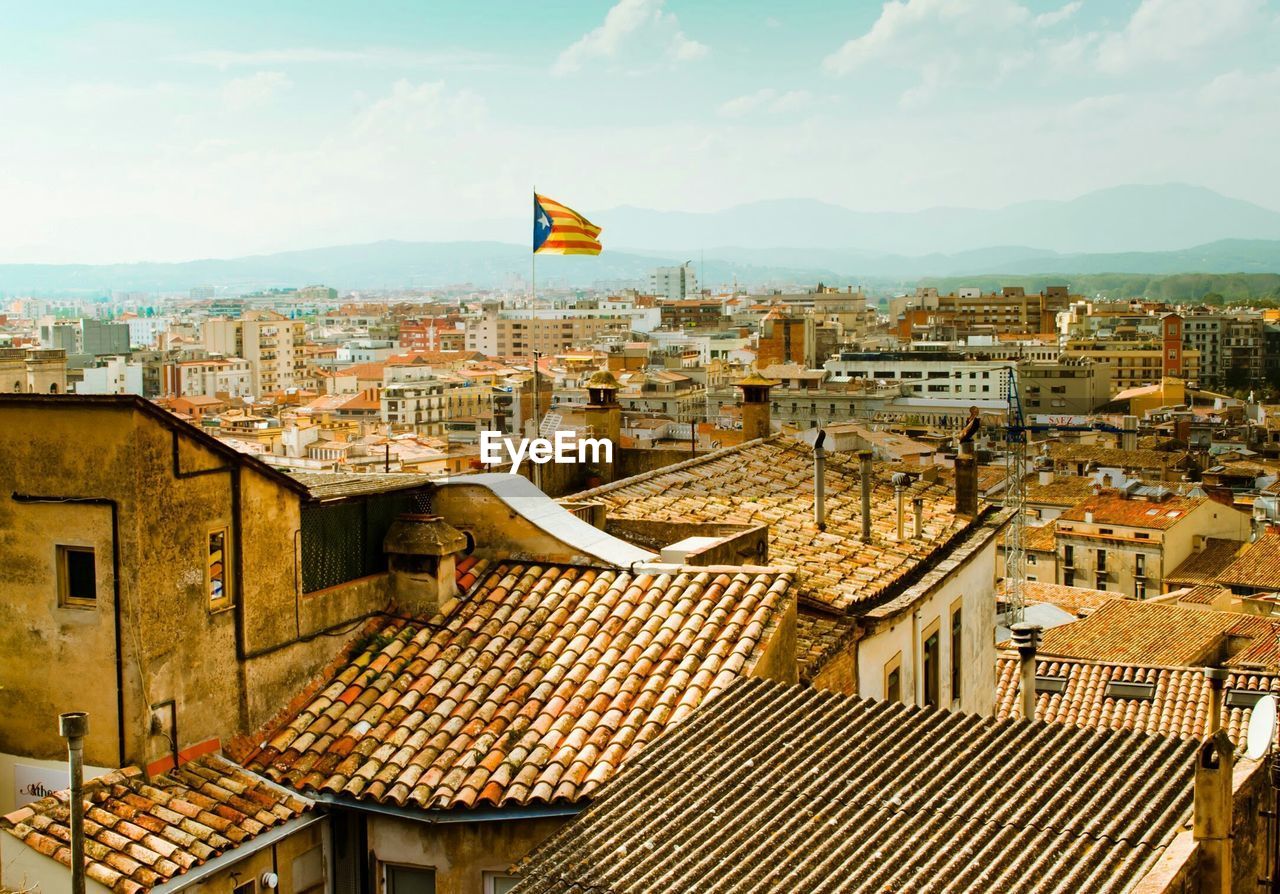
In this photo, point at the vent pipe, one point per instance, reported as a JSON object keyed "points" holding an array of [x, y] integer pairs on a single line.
{"points": [[917, 524], [1217, 679], [864, 458], [900, 482], [73, 727], [1026, 639], [820, 482]]}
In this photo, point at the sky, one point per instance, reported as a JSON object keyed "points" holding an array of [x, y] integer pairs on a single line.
{"points": [[174, 130]]}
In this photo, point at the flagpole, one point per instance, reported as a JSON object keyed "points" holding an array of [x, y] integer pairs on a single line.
{"points": [[533, 300]]}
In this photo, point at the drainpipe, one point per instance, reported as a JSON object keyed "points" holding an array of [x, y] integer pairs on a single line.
{"points": [[864, 457], [73, 727], [820, 482], [115, 598], [1026, 639]]}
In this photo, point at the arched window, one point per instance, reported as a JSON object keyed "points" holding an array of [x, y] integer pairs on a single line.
{"points": [[17, 387], [53, 388]]}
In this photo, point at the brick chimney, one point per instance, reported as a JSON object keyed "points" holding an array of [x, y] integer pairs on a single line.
{"points": [[966, 484], [422, 553], [1211, 812], [756, 413]]}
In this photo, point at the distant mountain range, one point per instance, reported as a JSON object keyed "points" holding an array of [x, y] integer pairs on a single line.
{"points": [[1152, 224], [1166, 217]]}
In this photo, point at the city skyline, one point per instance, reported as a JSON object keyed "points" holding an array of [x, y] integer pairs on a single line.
{"points": [[212, 133]]}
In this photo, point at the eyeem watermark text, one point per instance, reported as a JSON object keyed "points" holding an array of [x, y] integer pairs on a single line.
{"points": [[562, 447]]}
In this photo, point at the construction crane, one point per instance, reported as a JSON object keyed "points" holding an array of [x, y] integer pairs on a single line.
{"points": [[1015, 489]]}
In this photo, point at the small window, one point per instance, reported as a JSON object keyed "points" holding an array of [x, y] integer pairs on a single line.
{"points": [[499, 883], [249, 887], [930, 659], [410, 880], [893, 679], [217, 566], [77, 576], [957, 651]]}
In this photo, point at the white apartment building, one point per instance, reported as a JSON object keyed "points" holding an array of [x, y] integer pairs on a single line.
{"points": [[210, 377], [111, 375], [928, 374], [674, 283]]}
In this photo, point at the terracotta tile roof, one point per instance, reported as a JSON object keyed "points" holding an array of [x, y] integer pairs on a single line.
{"points": [[536, 688], [774, 788], [1063, 490], [1205, 565], [1201, 594], [1078, 601], [363, 371], [1041, 539], [1178, 706], [1127, 631], [1115, 458], [140, 833], [1113, 509], [1257, 567], [771, 482]]}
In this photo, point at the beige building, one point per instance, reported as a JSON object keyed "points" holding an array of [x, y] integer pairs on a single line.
{"points": [[271, 342], [33, 370], [1128, 541], [519, 333], [1063, 387], [1135, 362]]}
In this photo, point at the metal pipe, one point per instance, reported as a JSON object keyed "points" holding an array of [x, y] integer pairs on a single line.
{"points": [[1026, 638], [1217, 678], [74, 726], [917, 523], [864, 457], [820, 482]]}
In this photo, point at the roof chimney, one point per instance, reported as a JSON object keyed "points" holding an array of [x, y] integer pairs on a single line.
{"points": [[864, 458], [1026, 639], [422, 554], [1129, 433], [1217, 679], [756, 413], [820, 482], [917, 523], [1211, 812], [966, 484], [900, 482]]}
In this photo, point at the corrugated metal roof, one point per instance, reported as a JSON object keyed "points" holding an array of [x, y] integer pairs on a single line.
{"points": [[773, 788]]}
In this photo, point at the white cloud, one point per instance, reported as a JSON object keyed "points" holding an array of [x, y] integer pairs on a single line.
{"points": [[766, 100], [942, 42], [1057, 16], [943, 27], [415, 108], [1167, 30], [390, 57], [254, 90], [633, 32]]}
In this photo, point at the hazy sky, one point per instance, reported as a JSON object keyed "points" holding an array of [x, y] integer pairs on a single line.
{"points": [[171, 130]]}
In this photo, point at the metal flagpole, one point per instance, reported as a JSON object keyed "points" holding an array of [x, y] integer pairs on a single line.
{"points": [[533, 300]]}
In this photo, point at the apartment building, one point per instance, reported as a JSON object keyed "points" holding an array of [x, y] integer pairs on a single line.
{"points": [[970, 310], [1129, 540], [1231, 347], [1070, 386], [520, 333], [673, 283], [1138, 359], [692, 313], [271, 342], [942, 374], [209, 377]]}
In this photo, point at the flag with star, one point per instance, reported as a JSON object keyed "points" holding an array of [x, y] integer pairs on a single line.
{"points": [[559, 230]]}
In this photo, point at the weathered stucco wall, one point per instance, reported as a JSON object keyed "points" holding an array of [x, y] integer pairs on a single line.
{"points": [[460, 853], [226, 673]]}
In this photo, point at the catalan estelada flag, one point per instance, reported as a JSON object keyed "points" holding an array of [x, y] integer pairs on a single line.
{"points": [[559, 230]]}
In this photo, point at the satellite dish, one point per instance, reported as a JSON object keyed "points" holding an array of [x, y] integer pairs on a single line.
{"points": [[1262, 728]]}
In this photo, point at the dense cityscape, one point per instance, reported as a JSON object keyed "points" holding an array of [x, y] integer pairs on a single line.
{"points": [[926, 550]]}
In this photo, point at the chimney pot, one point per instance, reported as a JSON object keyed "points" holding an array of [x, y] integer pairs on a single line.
{"points": [[422, 555], [865, 476], [1026, 639]]}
